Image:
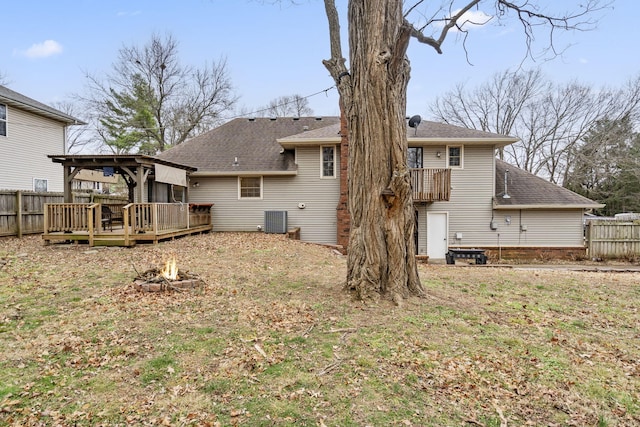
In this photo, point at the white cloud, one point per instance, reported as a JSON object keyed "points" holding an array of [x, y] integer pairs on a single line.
{"points": [[584, 61], [470, 19], [44, 49]]}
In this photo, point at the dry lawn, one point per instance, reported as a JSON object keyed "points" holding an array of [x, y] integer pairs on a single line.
{"points": [[273, 340]]}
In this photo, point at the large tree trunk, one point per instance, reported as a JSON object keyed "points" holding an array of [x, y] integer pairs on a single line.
{"points": [[381, 253]]}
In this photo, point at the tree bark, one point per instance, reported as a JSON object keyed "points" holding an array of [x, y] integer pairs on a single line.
{"points": [[381, 254]]}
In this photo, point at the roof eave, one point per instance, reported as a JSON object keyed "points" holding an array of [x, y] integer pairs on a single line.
{"points": [[289, 144], [498, 142], [64, 118], [548, 206], [204, 174]]}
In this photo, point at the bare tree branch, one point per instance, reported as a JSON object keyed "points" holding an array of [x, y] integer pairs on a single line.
{"points": [[550, 119], [77, 136], [527, 13], [167, 102]]}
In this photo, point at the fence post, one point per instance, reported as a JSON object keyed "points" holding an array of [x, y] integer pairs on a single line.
{"points": [[19, 213], [589, 238]]}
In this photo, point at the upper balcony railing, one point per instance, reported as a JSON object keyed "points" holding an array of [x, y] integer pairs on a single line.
{"points": [[431, 184]]}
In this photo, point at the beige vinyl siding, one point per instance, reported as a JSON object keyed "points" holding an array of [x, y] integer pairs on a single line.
{"points": [[317, 221], [422, 229], [544, 228], [470, 205], [30, 138]]}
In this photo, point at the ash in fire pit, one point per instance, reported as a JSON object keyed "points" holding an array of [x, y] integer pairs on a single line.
{"points": [[167, 278]]}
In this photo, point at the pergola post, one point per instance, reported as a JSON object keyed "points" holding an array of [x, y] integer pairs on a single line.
{"points": [[140, 176], [67, 184]]}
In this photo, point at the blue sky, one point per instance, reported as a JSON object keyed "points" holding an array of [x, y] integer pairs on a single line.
{"points": [[276, 50]]}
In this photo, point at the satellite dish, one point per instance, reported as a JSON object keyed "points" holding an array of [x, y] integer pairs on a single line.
{"points": [[414, 122]]}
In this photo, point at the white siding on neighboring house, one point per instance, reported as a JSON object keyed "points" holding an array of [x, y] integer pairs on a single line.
{"points": [[542, 228], [317, 221], [470, 205], [30, 138]]}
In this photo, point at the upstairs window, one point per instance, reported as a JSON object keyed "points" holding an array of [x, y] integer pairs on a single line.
{"points": [[3, 120], [454, 156], [414, 157], [328, 160], [250, 187]]}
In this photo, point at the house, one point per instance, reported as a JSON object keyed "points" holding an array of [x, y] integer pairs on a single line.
{"points": [[534, 217], [29, 130], [94, 181], [244, 171], [247, 167]]}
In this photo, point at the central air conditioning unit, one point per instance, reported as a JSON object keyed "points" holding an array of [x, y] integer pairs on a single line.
{"points": [[275, 222]]}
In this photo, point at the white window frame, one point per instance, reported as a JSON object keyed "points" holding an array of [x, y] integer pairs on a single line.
{"points": [[46, 184], [322, 175], [241, 197], [461, 165], [5, 121]]}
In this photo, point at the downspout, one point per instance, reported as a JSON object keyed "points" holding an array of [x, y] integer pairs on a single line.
{"points": [[64, 139]]}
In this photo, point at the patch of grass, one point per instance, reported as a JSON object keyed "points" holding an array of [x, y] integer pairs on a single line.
{"points": [[157, 369], [8, 389], [218, 386], [79, 341]]}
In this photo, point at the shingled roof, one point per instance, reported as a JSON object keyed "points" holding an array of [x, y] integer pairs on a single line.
{"points": [[528, 191], [427, 131], [252, 141], [22, 102]]}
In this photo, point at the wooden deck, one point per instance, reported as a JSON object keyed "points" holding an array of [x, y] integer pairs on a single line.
{"points": [[139, 222]]}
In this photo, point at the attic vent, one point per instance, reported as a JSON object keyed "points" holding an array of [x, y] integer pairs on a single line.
{"points": [[252, 119], [275, 222], [295, 119], [318, 118], [273, 119]]}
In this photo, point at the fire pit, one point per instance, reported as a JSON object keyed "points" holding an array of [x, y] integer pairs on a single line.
{"points": [[169, 278]]}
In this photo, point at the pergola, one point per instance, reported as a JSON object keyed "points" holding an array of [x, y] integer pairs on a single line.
{"points": [[136, 170]]}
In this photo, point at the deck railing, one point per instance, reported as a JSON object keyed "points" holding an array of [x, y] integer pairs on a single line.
{"points": [[140, 222], [156, 217], [69, 217], [431, 184], [140, 217]]}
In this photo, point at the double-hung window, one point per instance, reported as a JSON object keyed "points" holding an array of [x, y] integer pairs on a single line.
{"points": [[328, 161], [455, 156], [3, 120], [250, 187]]}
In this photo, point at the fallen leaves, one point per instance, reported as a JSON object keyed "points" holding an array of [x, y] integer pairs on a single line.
{"points": [[271, 339]]}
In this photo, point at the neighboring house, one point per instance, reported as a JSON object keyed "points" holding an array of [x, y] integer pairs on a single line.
{"points": [[95, 181], [29, 130], [298, 166]]}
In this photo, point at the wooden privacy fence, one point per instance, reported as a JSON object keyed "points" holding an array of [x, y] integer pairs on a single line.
{"points": [[22, 212], [613, 239]]}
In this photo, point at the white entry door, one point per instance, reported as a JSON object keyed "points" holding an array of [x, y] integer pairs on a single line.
{"points": [[437, 232]]}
